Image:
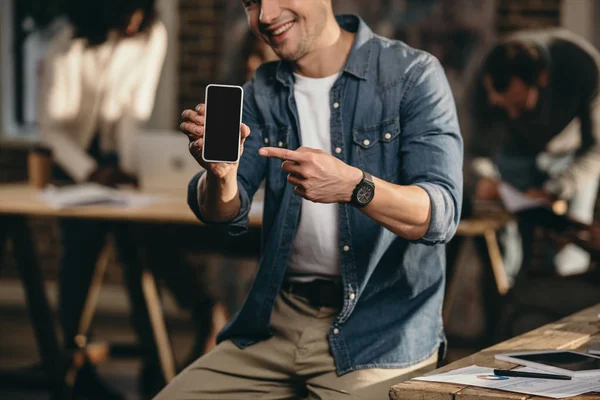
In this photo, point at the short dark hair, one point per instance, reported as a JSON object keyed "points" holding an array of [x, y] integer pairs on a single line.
{"points": [[514, 59], [93, 20]]}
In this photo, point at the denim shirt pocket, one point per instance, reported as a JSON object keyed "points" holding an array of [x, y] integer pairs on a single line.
{"points": [[276, 136], [377, 149]]}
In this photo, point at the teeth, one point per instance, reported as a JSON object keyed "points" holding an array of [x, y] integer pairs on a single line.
{"points": [[284, 28]]}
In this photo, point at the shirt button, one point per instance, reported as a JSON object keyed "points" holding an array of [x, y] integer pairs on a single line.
{"points": [[366, 142], [336, 105], [346, 248], [266, 140], [338, 150], [388, 136], [280, 144], [352, 296], [336, 331]]}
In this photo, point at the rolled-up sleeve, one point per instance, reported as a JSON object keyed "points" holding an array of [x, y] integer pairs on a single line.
{"points": [[251, 172], [235, 227], [431, 153]]}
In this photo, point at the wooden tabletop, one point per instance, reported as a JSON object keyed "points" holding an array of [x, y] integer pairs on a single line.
{"points": [[172, 208], [483, 220], [572, 332], [477, 226]]}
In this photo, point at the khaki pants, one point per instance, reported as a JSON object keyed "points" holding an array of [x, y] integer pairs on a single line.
{"points": [[295, 363]]}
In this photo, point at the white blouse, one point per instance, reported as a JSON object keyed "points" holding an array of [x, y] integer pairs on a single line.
{"points": [[108, 89]]}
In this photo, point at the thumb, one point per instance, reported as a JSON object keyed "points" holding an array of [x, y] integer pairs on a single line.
{"points": [[245, 130]]}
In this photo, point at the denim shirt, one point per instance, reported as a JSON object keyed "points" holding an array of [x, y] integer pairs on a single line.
{"points": [[393, 115]]}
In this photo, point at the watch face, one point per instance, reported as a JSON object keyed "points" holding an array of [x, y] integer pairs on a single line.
{"points": [[365, 194]]}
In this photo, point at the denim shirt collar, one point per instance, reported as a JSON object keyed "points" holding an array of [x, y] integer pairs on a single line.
{"points": [[359, 58]]}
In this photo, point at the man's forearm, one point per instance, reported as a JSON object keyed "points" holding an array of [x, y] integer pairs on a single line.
{"points": [[218, 199], [404, 210]]}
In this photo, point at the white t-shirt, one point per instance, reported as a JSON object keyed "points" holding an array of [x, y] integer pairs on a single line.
{"points": [[315, 251]]}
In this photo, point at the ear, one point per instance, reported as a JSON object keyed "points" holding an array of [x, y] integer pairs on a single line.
{"points": [[533, 94], [135, 21], [543, 79], [487, 82]]}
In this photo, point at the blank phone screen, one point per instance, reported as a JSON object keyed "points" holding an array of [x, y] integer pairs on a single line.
{"points": [[222, 123]]}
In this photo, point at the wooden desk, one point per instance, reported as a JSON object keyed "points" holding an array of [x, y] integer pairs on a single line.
{"points": [[573, 332], [22, 199], [19, 201]]}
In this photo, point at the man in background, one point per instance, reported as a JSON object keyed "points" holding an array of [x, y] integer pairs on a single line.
{"points": [[537, 127]]}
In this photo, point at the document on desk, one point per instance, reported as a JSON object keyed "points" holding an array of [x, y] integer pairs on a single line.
{"points": [[484, 377], [89, 194], [514, 200]]}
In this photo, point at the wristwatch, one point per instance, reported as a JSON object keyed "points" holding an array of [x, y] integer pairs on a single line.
{"points": [[363, 192]]}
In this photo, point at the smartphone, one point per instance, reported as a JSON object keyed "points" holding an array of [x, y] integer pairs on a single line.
{"points": [[222, 123]]}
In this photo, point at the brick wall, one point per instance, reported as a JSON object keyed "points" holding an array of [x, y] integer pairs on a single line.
{"points": [[526, 14], [200, 42]]}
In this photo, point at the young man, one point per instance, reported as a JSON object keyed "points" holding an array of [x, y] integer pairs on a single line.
{"points": [[536, 117], [358, 140]]}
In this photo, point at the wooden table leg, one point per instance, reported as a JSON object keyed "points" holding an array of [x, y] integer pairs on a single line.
{"points": [[148, 309], [496, 261], [161, 337], [89, 308], [53, 359], [85, 353]]}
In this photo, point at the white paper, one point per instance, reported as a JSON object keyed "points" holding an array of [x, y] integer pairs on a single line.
{"points": [[256, 208], [484, 377], [90, 194], [514, 200]]}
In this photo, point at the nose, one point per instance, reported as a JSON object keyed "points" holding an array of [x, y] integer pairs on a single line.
{"points": [[494, 99], [513, 112], [269, 11]]}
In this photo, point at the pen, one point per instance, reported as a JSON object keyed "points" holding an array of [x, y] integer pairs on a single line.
{"points": [[518, 374]]}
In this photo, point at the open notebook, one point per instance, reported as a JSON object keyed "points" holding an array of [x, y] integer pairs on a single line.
{"points": [[90, 193], [515, 201]]}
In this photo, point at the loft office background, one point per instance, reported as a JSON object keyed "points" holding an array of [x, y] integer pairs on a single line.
{"points": [[206, 36], [26, 27]]}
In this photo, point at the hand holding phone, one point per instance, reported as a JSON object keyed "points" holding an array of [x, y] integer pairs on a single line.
{"points": [[224, 146]]}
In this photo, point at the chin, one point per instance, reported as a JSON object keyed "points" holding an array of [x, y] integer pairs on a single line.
{"points": [[288, 53]]}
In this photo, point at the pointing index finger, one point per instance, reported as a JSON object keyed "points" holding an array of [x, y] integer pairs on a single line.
{"points": [[282, 154]]}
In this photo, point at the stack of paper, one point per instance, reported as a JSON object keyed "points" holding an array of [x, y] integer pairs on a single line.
{"points": [[484, 377], [89, 194], [515, 201]]}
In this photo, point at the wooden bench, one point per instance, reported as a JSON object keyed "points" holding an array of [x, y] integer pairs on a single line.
{"points": [[485, 225]]}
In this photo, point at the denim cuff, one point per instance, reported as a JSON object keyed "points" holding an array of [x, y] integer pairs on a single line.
{"points": [[235, 227], [442, 225]]}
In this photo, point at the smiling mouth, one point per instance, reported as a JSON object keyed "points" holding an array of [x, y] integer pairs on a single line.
{"points": [[280, 30]]}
